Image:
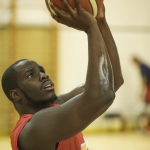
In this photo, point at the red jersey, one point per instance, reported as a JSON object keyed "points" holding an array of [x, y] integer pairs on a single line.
{"points": [[147, 95], [74, 143]]}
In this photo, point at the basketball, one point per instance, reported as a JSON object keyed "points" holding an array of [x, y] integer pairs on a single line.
{"points": [[91, 6]]}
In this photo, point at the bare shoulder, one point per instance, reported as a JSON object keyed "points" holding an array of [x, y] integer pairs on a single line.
{"points": [[34, 135], [51, 125]]}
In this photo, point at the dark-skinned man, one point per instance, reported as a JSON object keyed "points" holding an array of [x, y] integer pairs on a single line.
{"points": [[48, 122]]}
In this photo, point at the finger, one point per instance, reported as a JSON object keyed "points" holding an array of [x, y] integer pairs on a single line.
{"points": [[47, 5], [101, 12], [56, 18], [67, 6], [60, 20], [78, 5], [57, 11], [50, 9], [63, 21]]}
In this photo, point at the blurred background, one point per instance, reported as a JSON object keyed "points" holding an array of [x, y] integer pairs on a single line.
{"points": [[28, 31]]}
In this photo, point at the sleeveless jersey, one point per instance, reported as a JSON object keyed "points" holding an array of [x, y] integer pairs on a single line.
{"points": [[76, 142]]}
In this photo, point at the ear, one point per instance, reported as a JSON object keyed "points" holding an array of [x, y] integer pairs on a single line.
{"points": [[15, 95]]}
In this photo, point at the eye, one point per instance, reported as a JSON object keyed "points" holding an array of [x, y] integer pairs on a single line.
{"points": [[31, 75]]}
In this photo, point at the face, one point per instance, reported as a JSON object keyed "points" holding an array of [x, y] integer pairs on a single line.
{"points": [[33, 82]]}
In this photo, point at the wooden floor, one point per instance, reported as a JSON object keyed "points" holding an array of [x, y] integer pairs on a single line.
{"points": [[106, 141], [118, 141]]}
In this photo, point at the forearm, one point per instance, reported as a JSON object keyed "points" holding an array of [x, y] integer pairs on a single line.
{"points": [[108, 70], [67, 96], [96, 79], [112, 52]]}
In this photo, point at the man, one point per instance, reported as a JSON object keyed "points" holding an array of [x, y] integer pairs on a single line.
{"points": [[43, 127], [145, 76]]}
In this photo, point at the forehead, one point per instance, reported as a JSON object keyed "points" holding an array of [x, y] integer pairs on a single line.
{"points": [[25, 65]]}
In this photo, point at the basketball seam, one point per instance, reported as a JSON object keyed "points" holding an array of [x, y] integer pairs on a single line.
{"points": [[97, 5], [92, 3], [96, 11]]}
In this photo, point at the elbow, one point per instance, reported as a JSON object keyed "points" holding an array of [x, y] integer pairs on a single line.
{"points": [[101, 98], [106, 99], [122, 81], [119, 84], [102, 94], [110, 96]]}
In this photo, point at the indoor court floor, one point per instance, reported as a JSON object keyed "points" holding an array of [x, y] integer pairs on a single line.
{"points": [[106, 141]]}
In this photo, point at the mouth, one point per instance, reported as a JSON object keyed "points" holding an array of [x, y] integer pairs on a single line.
{"points": [[48, 86]]}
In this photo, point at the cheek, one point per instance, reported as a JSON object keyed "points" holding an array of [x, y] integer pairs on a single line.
{"points": [[31, 89]]}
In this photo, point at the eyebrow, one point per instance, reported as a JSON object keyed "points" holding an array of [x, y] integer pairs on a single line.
{"points": [[40, 67], [29, 70]]}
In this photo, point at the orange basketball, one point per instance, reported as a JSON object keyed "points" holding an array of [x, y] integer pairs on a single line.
{"points": [[91, 6]]}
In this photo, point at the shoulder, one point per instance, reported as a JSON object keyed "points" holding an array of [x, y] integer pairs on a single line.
{"points": [[37, 131], [17, 130]]}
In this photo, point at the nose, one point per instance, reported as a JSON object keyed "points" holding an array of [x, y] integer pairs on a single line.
{"points": [[43, 76]]}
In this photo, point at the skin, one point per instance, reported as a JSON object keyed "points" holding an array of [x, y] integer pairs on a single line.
{"points": [[33, 80], [82, 106], [111, 48], [111, 54]]}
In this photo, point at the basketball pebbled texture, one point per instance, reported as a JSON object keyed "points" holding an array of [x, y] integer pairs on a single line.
{"points": [[92, 6]]}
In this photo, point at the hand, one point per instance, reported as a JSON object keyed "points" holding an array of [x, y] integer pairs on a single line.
{"points": [[101, 13], [76, 18]]}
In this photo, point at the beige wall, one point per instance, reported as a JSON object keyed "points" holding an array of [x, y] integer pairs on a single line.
{"points": [[130, 25], [38, 44]]}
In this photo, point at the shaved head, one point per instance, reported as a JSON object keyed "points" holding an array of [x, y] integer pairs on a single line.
{"points": [[9, 79]]}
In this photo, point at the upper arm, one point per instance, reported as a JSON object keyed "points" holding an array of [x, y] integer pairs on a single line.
{"points": [[54, 124], [51, 125]]}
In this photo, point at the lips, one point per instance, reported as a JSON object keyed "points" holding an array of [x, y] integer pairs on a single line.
{"points": [[47, 86]]}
